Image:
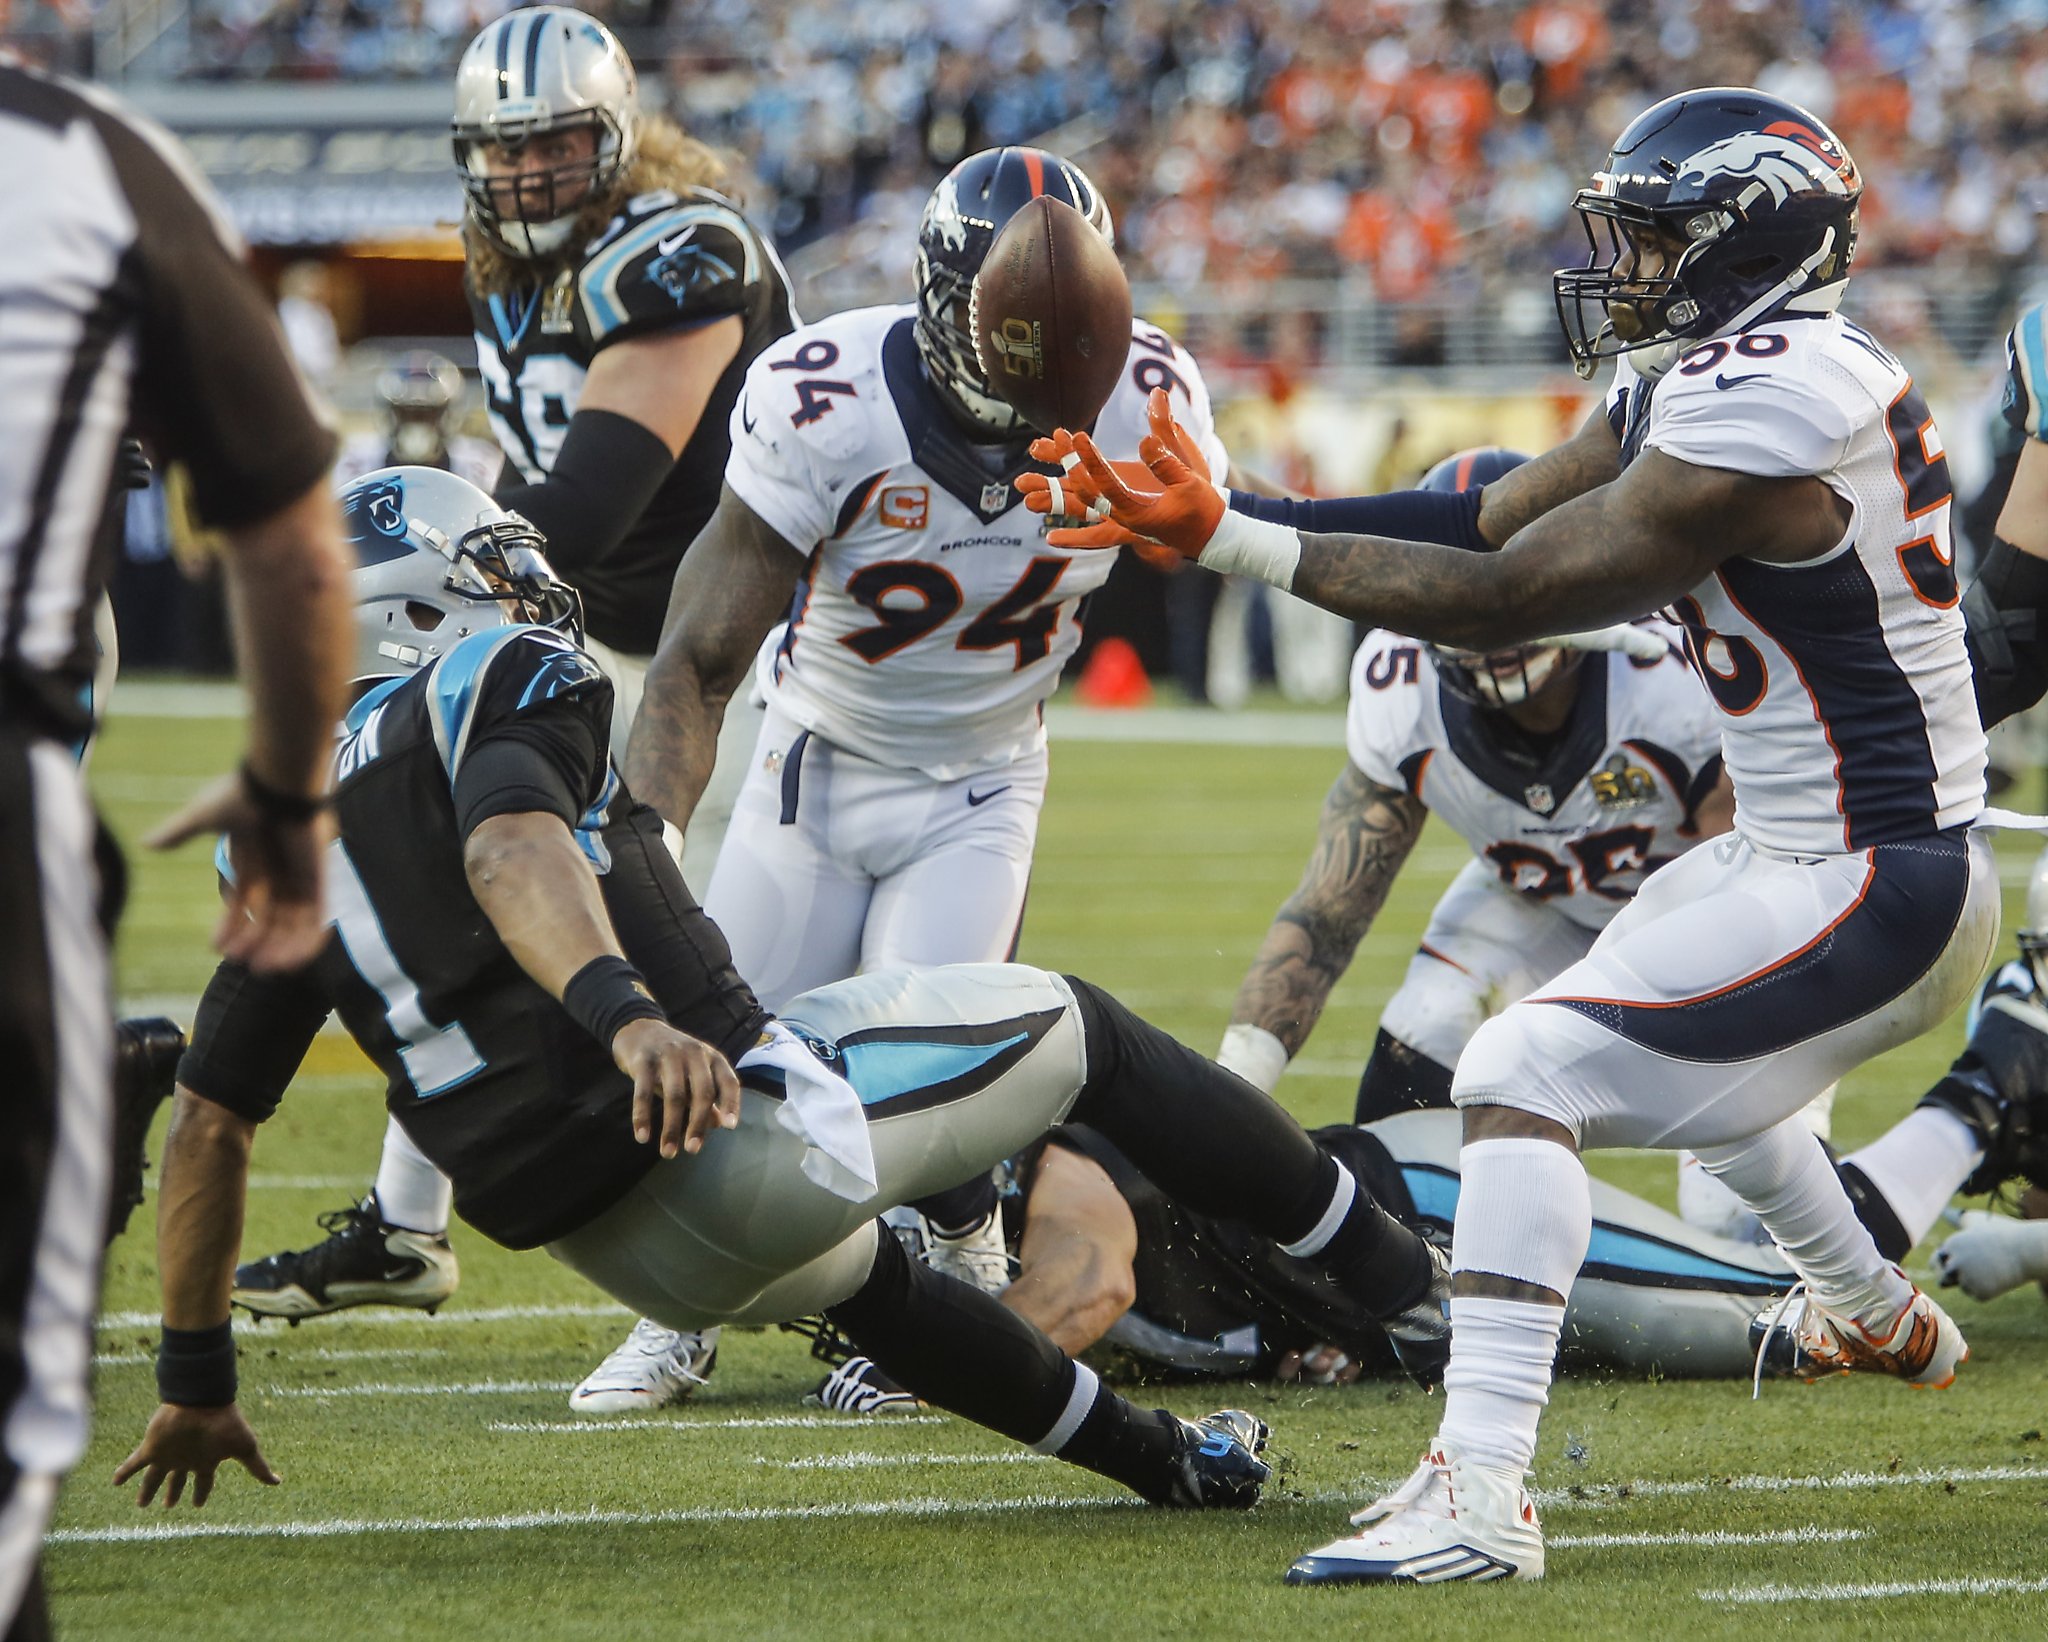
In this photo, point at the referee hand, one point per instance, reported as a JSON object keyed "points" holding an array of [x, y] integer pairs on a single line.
{"points": [[695, 1085], [275, 916]]}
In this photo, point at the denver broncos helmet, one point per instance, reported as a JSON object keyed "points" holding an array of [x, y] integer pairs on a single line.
{"points": [[961, 220], [1755, 200], [438, 560]]}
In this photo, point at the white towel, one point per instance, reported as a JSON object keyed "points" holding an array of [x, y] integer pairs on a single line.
{"points": [[821, 1109]]}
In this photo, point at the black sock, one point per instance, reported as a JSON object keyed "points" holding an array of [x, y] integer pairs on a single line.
{"points": [[960, 1209], [1215, 1144], [1400, 1079], [1875, 1211], [968, 1353]]}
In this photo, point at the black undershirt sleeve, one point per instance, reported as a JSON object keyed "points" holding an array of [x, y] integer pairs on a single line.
{"points": [[2003, 627], [549, 759], [249, 1036], [606, 474]]}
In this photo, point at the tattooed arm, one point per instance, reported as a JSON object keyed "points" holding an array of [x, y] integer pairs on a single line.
{"points": [[1587, 460], [1365, 834], [1610, 555], [733, 583]]}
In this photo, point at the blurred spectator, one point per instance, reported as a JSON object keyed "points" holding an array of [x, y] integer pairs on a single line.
{"points": [[1419, 149]]}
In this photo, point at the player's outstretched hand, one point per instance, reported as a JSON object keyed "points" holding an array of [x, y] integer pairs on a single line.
{"points": [[694, 1084], [192, 1443], [1319, 1365], [1181, 515], [274, 916]]}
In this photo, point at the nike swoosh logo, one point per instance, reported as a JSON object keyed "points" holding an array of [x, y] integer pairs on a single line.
{"points": [[976, 799], [1737, 381], [663, 247], [746, 417]]}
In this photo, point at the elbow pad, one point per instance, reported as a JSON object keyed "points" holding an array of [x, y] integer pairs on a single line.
{"points": [[606, 473], [2007, 637], [1447, 518]]}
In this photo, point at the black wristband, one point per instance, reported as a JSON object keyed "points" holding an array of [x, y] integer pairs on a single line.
{"points": [[606, 994], [195, 1367], [275, 804]]}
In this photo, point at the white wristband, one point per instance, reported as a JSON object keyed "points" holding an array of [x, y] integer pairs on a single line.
{"points": [[1254, 1054], [1244, 546]]}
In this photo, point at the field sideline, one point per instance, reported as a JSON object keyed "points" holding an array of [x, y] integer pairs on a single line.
{"points": [[436, 1485]]}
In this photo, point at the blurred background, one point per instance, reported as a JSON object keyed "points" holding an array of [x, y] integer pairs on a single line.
{"points": [[1348, 209]]}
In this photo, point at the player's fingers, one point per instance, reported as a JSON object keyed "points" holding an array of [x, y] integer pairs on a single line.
{"points": [[1166, 467], [1106, 534], [1101, 478], [258, 1467], [643, 1104], [210, 810], [1052, 447], [152, 1480], [128, 1467], [177, 1489], [202, 1485], [675, 1104], [728, 1086]]}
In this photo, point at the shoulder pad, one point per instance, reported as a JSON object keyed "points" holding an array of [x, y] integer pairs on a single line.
{"points": [[2025, 406], [490, 676], [1391, 681], [1732, 405], [823, 389], [688, 261]]}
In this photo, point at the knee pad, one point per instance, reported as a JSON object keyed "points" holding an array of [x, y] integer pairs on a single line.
{"points": [[1508, 1063]]}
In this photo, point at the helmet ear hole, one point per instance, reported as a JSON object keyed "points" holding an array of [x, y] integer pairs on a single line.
{"points": [[424, 617]]}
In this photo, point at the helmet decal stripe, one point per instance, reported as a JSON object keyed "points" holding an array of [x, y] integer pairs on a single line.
{"points": [[535, 30], [1464, 474], [1034, 168], [504, 60]]}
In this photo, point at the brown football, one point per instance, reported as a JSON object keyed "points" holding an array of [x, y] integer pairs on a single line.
{"points": [[1051, 316]]}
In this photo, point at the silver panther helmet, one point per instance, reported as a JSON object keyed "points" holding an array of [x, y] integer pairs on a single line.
{"points": [[438, 560], [532, 74]]}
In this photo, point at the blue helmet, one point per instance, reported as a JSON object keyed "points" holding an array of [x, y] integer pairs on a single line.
{"points": [[961, 220], [1496, 678], [1756, 197]]}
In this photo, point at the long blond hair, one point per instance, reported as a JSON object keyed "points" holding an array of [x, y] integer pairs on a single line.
{"points": [[667, 156]]}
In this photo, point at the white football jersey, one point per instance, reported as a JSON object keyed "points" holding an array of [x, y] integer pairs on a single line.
{"points": [[1612, 800], [933, 618], [1843, 683]]}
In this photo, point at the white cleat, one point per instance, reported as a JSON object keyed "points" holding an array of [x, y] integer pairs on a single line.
{"points": [[1452, 1520], [1799, 1336], [651, 1368], [1992, 1254], [977, 1257]]}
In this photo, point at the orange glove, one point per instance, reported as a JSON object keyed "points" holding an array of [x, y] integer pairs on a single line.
{"points": [[1182, 515]]}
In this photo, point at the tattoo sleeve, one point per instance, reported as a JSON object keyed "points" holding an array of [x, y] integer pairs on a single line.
{"points": [[1589, 459], [733, 583], [1365, 833]]}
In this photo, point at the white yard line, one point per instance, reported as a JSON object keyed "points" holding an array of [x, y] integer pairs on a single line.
{"points": [[1620, 1493], [324, 1354], [1875, 1593], [754, 1422], [446, 1388], [340, 1527], [379, 1317], [865, 1462], [1708, 1538]]}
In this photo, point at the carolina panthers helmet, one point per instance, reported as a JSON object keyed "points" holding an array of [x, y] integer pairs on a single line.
{"points": [[1755, 196], [961, 220], [531, 74], [1494, 678], [418, 390], [438, 560]]}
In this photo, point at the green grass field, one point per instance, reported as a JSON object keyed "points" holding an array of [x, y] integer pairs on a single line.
{"points": [[435, 1485]]}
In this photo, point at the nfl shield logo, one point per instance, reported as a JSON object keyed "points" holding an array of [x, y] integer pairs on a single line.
{"points": [[1539, 798], [995, 498]]}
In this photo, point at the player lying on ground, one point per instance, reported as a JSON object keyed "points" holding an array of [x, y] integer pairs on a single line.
{"points": [[1767, 469], [513, 946]]}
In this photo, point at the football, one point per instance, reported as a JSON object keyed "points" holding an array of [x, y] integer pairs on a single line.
{"points": [[1051, 316]]}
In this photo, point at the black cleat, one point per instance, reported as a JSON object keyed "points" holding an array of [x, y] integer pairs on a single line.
{"points": [[1421, 1335], [363, 1262], [146, 1053], [1998, 1085], [1218, 1467]]}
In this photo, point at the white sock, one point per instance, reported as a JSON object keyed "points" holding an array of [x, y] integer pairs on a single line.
{"points": [[1498, 1381], [411, 1192], [1919, 1164], [1525, 1211], [1784, 1175]]}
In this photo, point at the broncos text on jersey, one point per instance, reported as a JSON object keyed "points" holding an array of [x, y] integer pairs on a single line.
{"points": [[669, 261], [1613, 800], [933, 618], [1843, 683]]}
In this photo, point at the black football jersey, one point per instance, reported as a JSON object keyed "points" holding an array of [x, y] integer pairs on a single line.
{"points": [[521, 1108], [667, 262]]}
